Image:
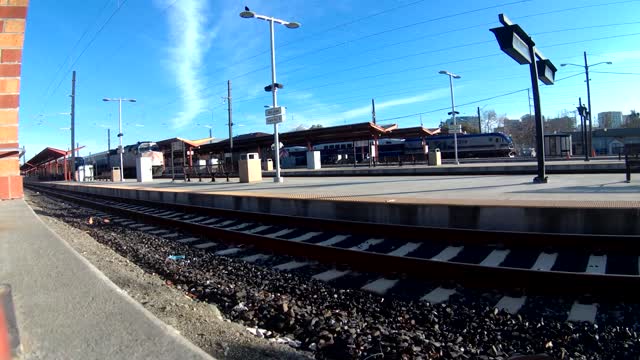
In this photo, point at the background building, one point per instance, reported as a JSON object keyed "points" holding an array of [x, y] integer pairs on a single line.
{"points": [[471, 122], [610, 119]]}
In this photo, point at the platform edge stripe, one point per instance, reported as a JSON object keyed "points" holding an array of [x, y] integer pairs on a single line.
{"points": [[10, 345]]}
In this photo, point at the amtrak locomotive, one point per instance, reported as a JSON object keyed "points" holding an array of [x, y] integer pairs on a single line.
{"points": [[104, 161], [469, 145]]}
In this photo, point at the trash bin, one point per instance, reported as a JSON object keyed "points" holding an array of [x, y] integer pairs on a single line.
{"points": [[268, 165], [249, 168], [115, 173], [434, 157]]}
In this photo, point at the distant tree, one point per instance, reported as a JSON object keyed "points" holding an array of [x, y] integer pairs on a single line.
{"points": [[489, 120], [632, 120], [468, 128], [316, 126]]}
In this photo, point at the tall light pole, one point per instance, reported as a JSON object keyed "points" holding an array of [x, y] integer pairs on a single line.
{"points": [[247, 14], [586, 67], [120, 150], [453, 111]]}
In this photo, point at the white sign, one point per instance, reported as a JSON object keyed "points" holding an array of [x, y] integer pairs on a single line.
{"points": [[275, 115], [278, 110], [276, 119]]}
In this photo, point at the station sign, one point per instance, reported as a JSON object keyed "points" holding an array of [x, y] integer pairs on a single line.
{"points": [[272, 111], [275, 115]]}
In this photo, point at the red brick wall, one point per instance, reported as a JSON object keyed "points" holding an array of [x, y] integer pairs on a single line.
{"points": [[13, 14]]}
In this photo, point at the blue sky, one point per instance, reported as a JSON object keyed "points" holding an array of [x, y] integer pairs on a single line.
{"points": [[175, 57]]}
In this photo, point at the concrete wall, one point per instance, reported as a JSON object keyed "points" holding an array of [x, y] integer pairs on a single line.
{"points": [[13, 15], [613, 221]]}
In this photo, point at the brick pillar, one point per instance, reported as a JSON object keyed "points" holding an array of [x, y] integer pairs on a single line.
{"points": [[12, 23]]}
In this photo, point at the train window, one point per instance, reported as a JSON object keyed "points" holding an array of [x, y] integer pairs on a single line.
{"points": [[349, 146], [343, 146], [490, 139], [497, 140]]}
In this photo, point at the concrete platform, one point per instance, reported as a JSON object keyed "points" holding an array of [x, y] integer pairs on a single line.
{"points": [[66, 308], [585, 203], [506, 166]]}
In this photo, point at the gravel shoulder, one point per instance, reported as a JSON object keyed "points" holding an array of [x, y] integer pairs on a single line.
{"points": [[199, 322]]}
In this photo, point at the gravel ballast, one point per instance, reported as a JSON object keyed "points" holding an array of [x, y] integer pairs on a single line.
{"points": [[325, 321]]}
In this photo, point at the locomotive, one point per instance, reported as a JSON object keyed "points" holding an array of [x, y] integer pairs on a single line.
{"points": [[104, 161], [469, 145]]}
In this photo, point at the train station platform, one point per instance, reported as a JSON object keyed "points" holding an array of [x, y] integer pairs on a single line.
{"points": [[504, 166], [578, 203], [65, 308]]}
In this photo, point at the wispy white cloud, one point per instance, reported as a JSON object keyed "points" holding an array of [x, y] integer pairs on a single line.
{"points": [[364, 112], [189, 41]]}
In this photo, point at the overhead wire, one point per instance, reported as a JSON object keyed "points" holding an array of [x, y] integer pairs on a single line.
{"points": [[87, 47], [73, 48]]}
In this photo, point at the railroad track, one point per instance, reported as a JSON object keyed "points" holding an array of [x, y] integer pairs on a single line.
{"points": [[558, 264]]}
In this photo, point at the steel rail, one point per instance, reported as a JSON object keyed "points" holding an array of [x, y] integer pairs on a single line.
{"points": [[468, 275], [455, 236]]}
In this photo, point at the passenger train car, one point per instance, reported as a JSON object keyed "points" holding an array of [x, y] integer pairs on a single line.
{"points": [[469, 145], [104, 161]]}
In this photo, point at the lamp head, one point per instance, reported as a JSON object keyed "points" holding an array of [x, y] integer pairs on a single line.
{"points": [[106, 99], [443, 72], [564, 64], [132, 100], [609, 62], [247, 14], [292, 25], [457, 76]]}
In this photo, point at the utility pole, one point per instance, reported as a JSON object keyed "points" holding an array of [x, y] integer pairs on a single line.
{"points": [[230, 117], [73, 120], [373, 111], [586, 69], [583, 124], [529, 98], [479, 121], [108, 150]]}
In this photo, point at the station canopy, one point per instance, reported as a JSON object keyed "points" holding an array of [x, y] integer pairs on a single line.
{"points": [[412, 132], [162, 144], [310, 137], [43, 157]]}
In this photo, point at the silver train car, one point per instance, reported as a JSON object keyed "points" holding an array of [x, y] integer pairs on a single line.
{"points": [[104, 161]]}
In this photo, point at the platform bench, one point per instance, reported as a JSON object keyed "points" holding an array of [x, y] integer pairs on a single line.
{"points": [[631, 159]]}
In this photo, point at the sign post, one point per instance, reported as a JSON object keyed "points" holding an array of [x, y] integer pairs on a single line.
{"points": [[275, 115], [516, 43]]}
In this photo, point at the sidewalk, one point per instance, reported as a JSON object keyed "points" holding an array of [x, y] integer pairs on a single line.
{"points": [[67, 309]]}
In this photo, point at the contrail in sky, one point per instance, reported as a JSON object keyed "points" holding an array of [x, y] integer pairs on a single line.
{"points": [[189, 42]]}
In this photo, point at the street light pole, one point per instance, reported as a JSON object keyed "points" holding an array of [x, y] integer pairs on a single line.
{"points": [[274, 92], [453, 112], [120, 149], [247, 14]]}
